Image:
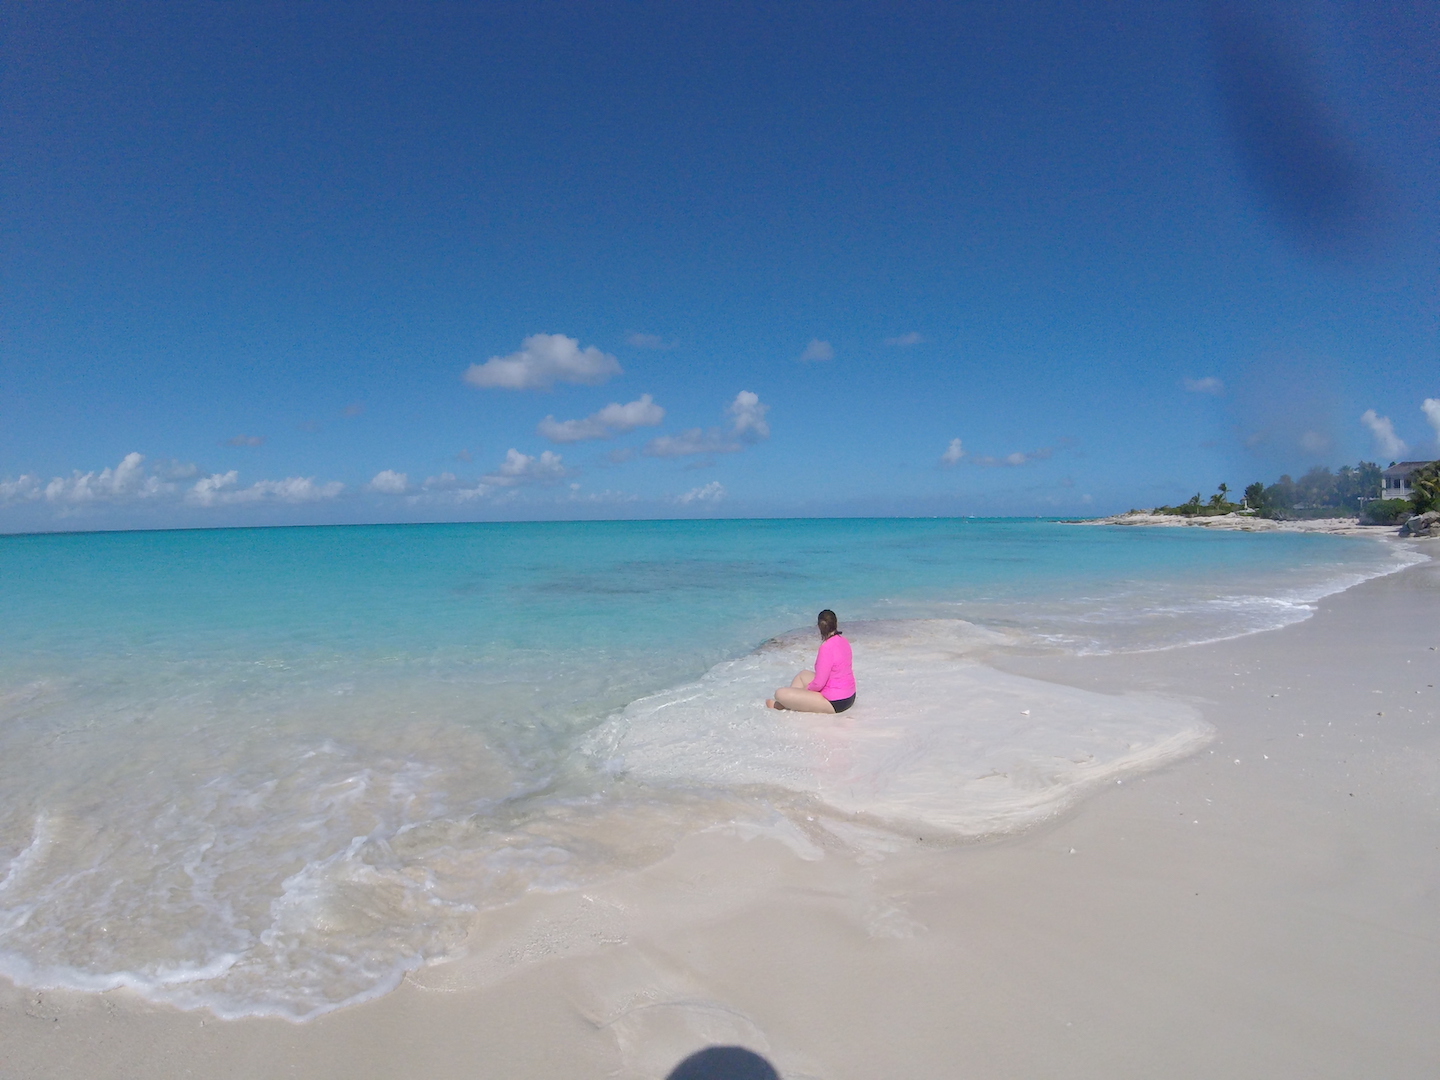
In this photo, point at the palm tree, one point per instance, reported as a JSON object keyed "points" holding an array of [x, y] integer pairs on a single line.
{"points": [[1425, 487]]}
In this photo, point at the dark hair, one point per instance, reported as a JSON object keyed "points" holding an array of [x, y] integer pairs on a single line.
{"points": [[828, 623]]}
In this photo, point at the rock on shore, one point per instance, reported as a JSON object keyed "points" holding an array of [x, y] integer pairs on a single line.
{"points": [[1426, 524]]}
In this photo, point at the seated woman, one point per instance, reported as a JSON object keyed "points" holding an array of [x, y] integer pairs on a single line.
{"points": [[830, 688]]}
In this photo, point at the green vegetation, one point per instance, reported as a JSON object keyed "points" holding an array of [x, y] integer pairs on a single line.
{"points": [[1386, 511], [1219, 504], [1319, 493], [1425, 488], [1351, 491]]}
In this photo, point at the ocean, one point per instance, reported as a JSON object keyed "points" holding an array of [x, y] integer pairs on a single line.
{"points": [[269, 771]]}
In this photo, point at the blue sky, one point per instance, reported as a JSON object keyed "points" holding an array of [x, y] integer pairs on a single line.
{"points": [[281, 263]]}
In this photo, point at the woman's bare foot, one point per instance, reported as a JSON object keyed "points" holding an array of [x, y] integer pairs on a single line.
{"points": [[771, 703]]}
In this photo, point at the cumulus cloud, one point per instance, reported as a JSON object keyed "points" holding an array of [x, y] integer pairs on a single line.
{"points": [[748, 416], [712, 492], [389, 482], [1431, 408], [747, 426], [953, 453], [1208, 385], [613, 419], [544, 360], [131, 481], [912, 338], [817, 350], [246, 440], [1383, 431], [223, 489], [127, 480], [25, 488], [518, 468], [448, 488], [650, 341]]}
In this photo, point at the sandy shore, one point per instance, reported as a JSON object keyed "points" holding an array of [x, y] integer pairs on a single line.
{"points": [[1341, 526], [1266, 908]]}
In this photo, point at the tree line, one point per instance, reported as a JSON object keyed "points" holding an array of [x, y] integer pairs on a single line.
{"points": [[1351, 490]]}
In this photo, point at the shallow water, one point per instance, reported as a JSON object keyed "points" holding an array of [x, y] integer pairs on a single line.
{"points": [[269, 771]]}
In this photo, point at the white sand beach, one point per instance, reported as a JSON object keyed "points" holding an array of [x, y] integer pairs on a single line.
{"points": [[1263, 908], [1339, 526]]}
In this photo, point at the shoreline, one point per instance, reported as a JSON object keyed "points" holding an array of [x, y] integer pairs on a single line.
{"points": [[1337, 526], [1259, 908]]}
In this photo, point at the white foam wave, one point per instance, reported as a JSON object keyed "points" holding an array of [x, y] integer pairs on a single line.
{"points": [[1157, 616]]}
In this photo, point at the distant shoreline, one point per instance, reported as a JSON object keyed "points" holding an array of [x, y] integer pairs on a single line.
{"points": [[1339, 526]]}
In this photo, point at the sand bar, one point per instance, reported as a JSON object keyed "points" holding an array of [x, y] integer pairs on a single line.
{"points": [[1264, 908]]}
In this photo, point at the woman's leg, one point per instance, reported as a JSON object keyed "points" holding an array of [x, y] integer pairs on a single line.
{"points": [[796, 697], [788, 697]]}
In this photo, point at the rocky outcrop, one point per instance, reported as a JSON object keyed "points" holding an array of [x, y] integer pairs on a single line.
{"points": [[1426, 524]]}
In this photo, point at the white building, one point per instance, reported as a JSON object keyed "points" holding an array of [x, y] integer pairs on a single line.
{"points": [[1395, 481]]}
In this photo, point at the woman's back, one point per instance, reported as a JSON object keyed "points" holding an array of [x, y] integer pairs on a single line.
{"points": [[834, 669]]}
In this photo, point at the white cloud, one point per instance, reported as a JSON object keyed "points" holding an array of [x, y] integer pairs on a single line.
{"points": [[447, 488], [1208, 385], [208, 490], [817, 350], [912, 338], [711, 492], [222, 489], [389, 482], [1431, 408], [127, 480], [650, 341], [749, 416], [246, 440], [613, 419], [544, 360], [131, 481], [24, 489], [1315, 442], [747, 426], [953, 453], [1386, 441], [518, 468]]}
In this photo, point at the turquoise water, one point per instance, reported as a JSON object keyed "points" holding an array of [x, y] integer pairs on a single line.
{"points": [[267, 771]]}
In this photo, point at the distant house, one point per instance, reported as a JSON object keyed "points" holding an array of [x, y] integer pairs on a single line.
{"points": [[1395, 481]]}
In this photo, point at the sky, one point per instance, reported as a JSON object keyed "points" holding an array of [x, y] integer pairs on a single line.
{"points": [[296, 263]]}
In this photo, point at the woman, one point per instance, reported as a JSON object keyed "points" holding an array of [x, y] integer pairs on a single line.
{"points": [[830, 688]]}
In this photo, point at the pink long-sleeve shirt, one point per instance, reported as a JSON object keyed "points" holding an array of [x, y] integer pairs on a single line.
{"points": [[834, 669]]}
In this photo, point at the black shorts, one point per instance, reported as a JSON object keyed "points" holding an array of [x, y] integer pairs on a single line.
{"points": [[843, 703]]}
